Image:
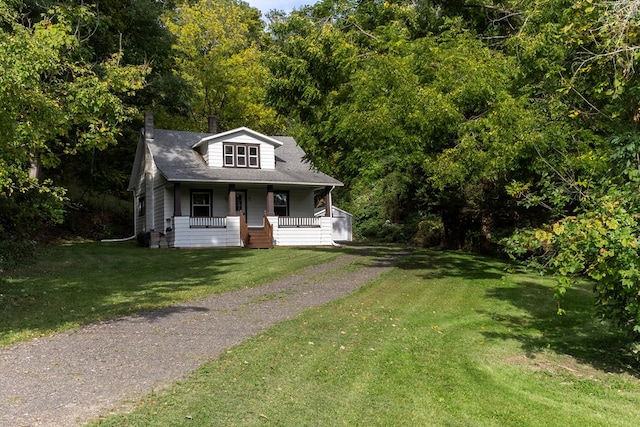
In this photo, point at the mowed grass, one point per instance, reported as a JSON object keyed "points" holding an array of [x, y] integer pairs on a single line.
{"points": [[70, 285], [446, 339]]}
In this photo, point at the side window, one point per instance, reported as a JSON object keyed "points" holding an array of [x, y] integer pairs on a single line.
{"points": [[281, 203], [141, 206], [201, 203]]}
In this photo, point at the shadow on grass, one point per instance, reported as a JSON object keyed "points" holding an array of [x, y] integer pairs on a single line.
{"points": [[380, 255], [440, 264], [578, 333], [532, 319], [82, 283]]}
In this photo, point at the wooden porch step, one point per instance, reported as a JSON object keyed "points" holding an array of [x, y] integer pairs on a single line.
{"points": [[258, 239]]}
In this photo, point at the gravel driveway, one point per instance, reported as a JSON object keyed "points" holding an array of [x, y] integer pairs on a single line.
{"points": [[70, 378]]}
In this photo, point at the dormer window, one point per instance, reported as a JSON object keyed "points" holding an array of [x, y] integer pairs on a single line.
{"points": [[241, 155]]}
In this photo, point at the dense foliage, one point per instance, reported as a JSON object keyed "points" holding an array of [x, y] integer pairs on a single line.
{"points": [[218, 50], [56, 101], [436, 116]]}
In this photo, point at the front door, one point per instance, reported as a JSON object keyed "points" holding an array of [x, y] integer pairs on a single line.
{"points": [[241, 203]]}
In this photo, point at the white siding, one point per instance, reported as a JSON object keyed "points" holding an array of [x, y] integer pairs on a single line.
{"points": [[312, 236], [139, 220], [214, 157], [267, 157], [220, 202], [183, 236], [233, 231], [158, 208], [186, 237], [301, 202]]}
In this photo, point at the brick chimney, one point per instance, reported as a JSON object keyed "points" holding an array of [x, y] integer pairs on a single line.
{"points": [[213, 124], [148, 125]]}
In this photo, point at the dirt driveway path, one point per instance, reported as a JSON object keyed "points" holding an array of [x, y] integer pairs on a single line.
{"points": [[72, 377]]}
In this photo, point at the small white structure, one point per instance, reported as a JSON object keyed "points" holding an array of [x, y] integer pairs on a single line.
{"points": [[342, 223], [235, 188]]}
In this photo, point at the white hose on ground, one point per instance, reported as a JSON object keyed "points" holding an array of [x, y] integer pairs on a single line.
{"points": [[117, 240]]}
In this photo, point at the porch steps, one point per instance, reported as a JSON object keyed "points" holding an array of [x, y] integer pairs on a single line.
{"points": [[258, 239]]}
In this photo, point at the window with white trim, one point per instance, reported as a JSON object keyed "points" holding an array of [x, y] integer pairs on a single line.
{"points": [[141, 206], [229, 155], [201, 203], [281, 203], [254, 156], [241, 155]]}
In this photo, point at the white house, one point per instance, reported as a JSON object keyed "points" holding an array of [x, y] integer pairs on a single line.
{"points": [[234, 188]]}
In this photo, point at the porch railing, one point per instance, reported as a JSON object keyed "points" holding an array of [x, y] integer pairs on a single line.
{"points": [[291, 221], [207, 222]]}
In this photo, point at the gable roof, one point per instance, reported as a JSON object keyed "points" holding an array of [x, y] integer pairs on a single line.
{"points": [[242, 131], [176, 158]]}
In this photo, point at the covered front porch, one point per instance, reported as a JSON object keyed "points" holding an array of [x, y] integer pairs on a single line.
{"points": [[237, 215], [233, 231]]}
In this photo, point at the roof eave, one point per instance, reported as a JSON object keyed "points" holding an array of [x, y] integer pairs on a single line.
{"points": [[242, 181], [240, 130]]}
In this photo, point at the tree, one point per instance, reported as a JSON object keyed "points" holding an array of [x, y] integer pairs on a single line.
{"points": [[133, 30], [426, 117], [54, 102], [219, 56], [591, 185]]}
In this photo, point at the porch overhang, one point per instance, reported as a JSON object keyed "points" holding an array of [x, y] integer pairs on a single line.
{"points": [[316, 185]]}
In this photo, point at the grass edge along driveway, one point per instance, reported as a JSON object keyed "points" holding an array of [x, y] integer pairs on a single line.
{"points": [[446, 339], [78, 283]]}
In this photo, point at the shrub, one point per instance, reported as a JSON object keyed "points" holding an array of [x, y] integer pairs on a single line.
{"points": [[600, 243]]}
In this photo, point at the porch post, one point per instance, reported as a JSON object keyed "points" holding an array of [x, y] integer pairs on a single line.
{"points": [[232, 200], [328, 204], [270, 209], [177, 199]]}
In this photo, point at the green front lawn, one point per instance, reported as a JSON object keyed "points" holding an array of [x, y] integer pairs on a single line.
{"points": [[446, 339], [78, 283]]}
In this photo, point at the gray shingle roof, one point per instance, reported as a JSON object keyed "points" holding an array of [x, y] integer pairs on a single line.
{"points": [[177, 161]]}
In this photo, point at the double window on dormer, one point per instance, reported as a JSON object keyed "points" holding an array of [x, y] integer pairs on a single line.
{"points": [[241, 155]]}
